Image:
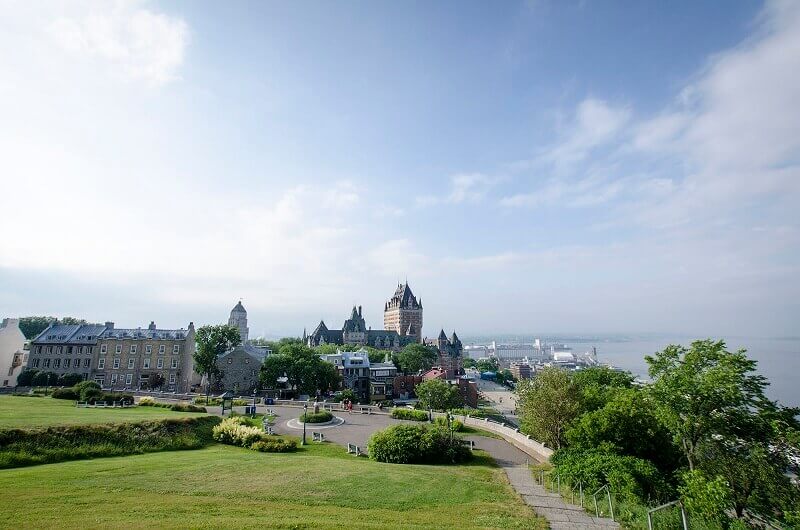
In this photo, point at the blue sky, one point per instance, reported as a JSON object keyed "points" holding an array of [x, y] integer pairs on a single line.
{"points": [[530, 167]]}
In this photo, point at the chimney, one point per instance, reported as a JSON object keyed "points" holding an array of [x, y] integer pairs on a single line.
{"points": [[359, 310], [109, 325], [191, 326], [152, 326]]}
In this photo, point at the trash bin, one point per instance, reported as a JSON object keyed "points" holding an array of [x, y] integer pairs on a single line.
{"points": [[269, 401], [250, 409]]}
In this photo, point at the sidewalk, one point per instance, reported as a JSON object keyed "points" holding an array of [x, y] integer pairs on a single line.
{"points": [[560, 514]]}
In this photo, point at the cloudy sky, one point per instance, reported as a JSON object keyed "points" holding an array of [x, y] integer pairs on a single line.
{"points": [[529, 166]]}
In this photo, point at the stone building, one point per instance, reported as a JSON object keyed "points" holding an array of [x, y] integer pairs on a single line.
{"points": [[125, 359], [13, 355], [65, 349], [354, 368], [241, 366], [403, 313], [450, 354], [355, 331]]}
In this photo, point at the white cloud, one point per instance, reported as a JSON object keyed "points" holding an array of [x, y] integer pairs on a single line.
{"points": [[141, 44], [464, 187]]}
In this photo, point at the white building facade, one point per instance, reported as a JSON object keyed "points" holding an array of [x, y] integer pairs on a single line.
{"points": [[13, 356]]}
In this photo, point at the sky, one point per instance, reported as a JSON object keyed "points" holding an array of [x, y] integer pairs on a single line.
{"points": [[528, 167]]}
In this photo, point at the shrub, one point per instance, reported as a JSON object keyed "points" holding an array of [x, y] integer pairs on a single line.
{"points": [[65, 393], [25, 447], [92, 394], [275, 445], [233, 431], [110, 397], [80, 387], [241, 402], [26, 377], [70, 379], [473, 413], [186, 407], [147, 401], [318, 417], [211, 401], [629, 477], [456, 425], [409, 414], [416, 444]]}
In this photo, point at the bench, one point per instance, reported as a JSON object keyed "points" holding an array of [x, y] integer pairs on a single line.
{"points": [[81, 404], [470, 443], [317, 436], [269, 430], [366, 410], [353, 449]]}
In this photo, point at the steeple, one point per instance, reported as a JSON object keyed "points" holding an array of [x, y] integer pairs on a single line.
{"points": [[238, 319]]}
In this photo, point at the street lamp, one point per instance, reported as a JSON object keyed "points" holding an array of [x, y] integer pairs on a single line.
{"points": [[255, 390], [305, 417]]}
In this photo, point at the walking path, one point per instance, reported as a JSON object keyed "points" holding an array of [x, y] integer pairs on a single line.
{"points": [[357, 428]]}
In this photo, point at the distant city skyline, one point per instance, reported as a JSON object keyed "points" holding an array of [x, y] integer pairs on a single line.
{"points": [[562, 166]]}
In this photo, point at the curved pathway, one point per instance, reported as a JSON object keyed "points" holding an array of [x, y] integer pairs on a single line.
{"points": [[357, 428]]}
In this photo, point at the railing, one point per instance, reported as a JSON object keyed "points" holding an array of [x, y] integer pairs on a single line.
{"points": [[663, 506], [610, 504]]}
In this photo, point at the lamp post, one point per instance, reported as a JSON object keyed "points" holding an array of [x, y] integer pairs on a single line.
{"points": [[255, 390], [305, 417]]}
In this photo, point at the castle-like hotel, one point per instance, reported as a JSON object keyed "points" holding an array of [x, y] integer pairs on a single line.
{"points": [[402, 323]]}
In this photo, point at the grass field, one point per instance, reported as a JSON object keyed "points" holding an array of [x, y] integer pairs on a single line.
{"points": [[20, 411], [229, 487]]}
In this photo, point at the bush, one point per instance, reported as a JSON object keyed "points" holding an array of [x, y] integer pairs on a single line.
{"points": [[65, 393], [186, 407], [630, 478], [71, 379], [25, 377], [92, 395], [147, 401], [233, 431], [80, 387], [318, 417], [211, 401], [416, 444], [25, 447], [241, 402], [409, 414], [473, 413], [456, 425], [275, 445]]}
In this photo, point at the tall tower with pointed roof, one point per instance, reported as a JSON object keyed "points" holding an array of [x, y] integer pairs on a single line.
{"points": [[403, 313], [238, 319]]}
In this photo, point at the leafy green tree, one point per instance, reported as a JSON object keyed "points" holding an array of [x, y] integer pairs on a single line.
{"points": [[211, 342], [627, 425], [597, 385], [548, 404], [468, 362], [156, 381], [32, 326], [704, 498], [45, 379], [415, 357], [437, 394], [488, 365], [69, 379], [26, 377], [504, 377], [305, 371]]}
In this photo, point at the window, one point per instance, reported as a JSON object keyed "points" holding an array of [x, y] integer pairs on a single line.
{"points": [[130, 363], [58, 350], [146, 362], [56, 363], [128, 378], [100, 379], [174, 363], [38, 349], [113, 378], [104, 348], [69, 350], [67, 362], [116, 363], [148, 349], [133, 348], [87, 363], [160, 363], [162, 349], [118, 349], [176, 349], [101, 364], [172, 379], [36, 363], [49, 349]]}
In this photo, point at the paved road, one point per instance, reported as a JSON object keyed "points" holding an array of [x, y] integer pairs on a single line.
{"points": [[502, 398], [359, 427]]}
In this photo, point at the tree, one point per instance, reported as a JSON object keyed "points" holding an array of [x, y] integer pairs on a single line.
{"points": [[415, 357], [468, 362], [437, 394], [715, 406], [26, 377], [304, 370], [156, 381], [213, 341], [548, 404], [627, 425], [703, 391], [504, 377], [488, 365], [69, 379], [597, 385], [45, 379]]}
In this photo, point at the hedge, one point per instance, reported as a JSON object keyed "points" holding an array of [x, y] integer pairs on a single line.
{"points": [[416, 444], [409, 414], [26, 447], [456, 425], [316, 417], [148, 401]]}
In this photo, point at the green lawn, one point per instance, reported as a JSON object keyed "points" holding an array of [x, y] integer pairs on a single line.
{"points": [[20, 411], [229, 487]]}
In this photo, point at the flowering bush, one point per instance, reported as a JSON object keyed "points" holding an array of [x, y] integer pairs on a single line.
{"points": [[276, 445], [147, 401], [233, 431]]}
